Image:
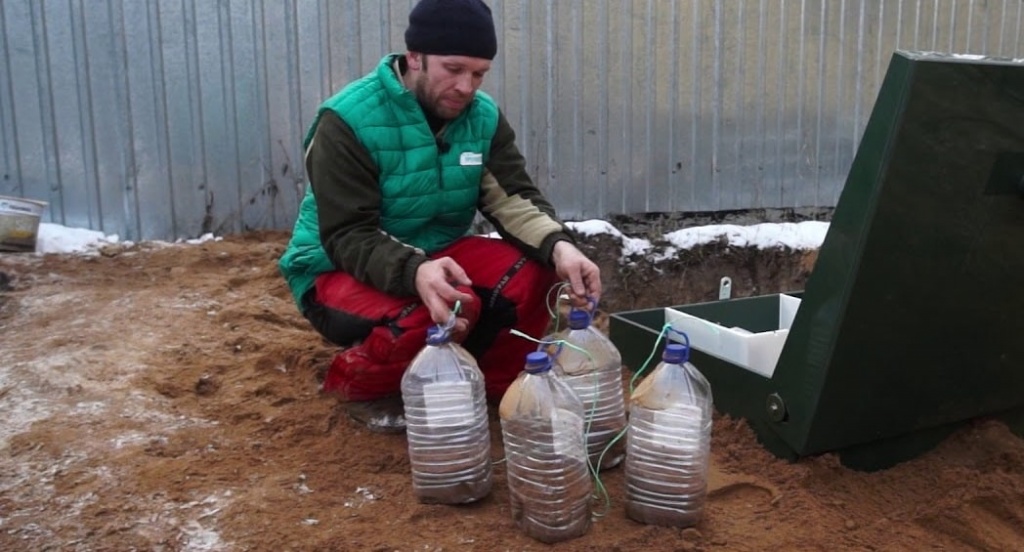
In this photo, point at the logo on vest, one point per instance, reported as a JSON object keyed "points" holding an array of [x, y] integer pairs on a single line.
{"points": [[470, 158]]}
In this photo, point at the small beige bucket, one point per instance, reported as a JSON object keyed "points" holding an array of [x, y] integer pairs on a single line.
{"points": [[19, 223]]}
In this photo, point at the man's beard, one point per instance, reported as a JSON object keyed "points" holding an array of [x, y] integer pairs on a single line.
{"points": [[427, 103], [430, 104]]}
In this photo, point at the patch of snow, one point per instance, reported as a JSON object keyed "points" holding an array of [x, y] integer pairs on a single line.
{"points": [[201, 538], [969, 56], [366, 493], [801, 235], [363, 495], [132, 438], [198, 531], [54, 238], [201, 239], [27, 391], [630, 246]]}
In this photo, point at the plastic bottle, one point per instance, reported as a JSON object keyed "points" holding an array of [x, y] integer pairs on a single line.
{"points": [[668, 443], [548, 480], [446, 423], [596, 377]]}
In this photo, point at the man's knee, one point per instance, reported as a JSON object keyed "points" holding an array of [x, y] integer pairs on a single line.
{"points": [[336, 326]]}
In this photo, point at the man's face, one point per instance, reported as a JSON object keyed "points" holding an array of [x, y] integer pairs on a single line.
{"points": [[445, 84]]}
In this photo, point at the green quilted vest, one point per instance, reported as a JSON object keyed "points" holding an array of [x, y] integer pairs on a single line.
{"points": [[428, 198]]}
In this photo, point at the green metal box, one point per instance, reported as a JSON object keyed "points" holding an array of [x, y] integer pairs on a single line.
{"points": [[912, 319]]}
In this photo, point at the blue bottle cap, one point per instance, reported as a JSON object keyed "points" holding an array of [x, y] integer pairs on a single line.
{"points": [[579, 319], [675, 353], [537, 362], [436, 335]]}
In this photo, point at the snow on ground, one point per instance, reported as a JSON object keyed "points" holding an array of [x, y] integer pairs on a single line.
{"points": [[799, 235], [54, 238]]}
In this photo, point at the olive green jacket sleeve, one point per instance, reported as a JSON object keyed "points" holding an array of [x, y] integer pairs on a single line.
{"points": [[511, 202], [345, 182], [346, 186]]}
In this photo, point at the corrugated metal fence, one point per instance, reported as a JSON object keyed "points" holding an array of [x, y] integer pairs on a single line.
{"points": [[168, 118]]}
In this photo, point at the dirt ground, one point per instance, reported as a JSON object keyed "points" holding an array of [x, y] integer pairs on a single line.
{"points": [[165, 398]]}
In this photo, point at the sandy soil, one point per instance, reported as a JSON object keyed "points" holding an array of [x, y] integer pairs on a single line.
{"points": [[164, 397]]}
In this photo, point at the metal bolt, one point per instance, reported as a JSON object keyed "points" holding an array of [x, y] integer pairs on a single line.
{"points": [[776, 408]]}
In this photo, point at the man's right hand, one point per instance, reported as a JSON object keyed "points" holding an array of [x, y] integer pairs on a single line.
{"points": [[435, 283]]}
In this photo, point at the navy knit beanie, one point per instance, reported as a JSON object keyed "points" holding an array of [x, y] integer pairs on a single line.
{"points": [[452, 28]]}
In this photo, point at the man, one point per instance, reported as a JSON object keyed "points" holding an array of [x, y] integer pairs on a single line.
{"points": [[399, 162]]}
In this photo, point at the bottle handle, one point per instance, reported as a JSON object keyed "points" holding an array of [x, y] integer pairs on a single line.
{"points": [[448, 325], [590, 310], [686, 342]]}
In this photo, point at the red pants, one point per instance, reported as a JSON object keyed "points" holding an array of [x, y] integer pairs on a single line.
{"points": [[384, 332]]}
